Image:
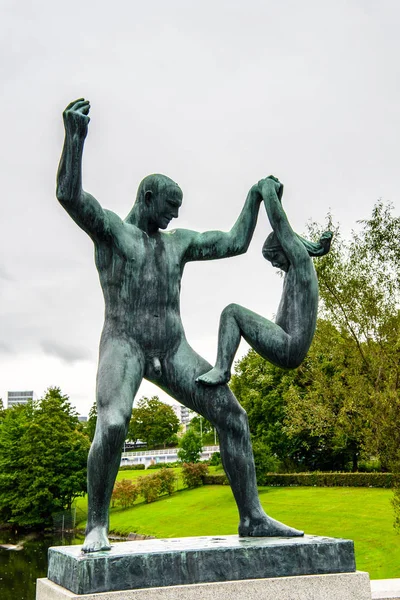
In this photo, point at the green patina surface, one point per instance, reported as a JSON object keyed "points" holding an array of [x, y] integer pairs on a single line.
{"points": [[140, 267]]}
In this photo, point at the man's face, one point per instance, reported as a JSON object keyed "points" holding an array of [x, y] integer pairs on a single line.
{"points": [[165, 206]]}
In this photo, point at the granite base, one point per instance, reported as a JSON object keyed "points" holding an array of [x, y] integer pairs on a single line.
{"points": [[185, 561], [344, 586]]}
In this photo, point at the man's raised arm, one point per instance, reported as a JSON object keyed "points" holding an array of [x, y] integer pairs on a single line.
{"points": [[83, 208], [219, 244]]}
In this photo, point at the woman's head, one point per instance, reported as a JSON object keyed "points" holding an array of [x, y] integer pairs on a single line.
{"points": [[273, 251]]}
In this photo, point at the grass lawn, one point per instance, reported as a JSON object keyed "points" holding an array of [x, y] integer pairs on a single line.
{"points": [[362, 514]]}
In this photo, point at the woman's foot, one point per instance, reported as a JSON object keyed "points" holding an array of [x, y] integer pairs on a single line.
{"points": [[214, 377]]}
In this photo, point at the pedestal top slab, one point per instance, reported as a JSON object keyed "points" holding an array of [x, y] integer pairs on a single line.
{"points": [[179, 561]]}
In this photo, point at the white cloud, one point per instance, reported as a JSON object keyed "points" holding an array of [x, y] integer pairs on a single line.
{"points": [[214, 94]]}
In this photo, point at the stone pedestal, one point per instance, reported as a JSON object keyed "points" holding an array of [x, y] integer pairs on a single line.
{"points": [[194, 560], [345, 586]]}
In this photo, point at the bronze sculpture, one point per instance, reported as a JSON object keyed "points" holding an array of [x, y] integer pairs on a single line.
{"points": [[140, 268]]}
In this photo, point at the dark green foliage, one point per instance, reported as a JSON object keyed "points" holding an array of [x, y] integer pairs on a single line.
{"points": [[43, 455], [190, 447], [153, 422], [193, 474], [132, 468], [259, 387], [292, 418], [161, 466]]}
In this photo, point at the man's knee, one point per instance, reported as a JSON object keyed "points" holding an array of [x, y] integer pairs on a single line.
{"points": [[112, 427], [234, 419]]}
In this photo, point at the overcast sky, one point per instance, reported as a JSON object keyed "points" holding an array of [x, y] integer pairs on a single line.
{"points": [[216, 95]]}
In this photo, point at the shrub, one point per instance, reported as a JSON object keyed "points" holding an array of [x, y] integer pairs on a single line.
{"points": [[378, 480], [193, 474], [167, 479], [264, 460], [215, 459], [370, 466], [160, 466], [216, 479], [149, 487], [132, 468], [124, 493]]}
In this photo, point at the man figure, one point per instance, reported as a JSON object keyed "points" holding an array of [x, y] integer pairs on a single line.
{"points": [[140, 269]]}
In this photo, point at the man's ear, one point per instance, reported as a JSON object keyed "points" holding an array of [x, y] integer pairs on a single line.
{"points": [[148, 197]]}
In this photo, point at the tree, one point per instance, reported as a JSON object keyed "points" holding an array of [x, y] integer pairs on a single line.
{"points": [[91, 422], [360, 294], [204, 429], [43, 455], [259, 387], [190, 447], [344, 399], [327, 407], [153, 422], [2, 410], [124, 493]]}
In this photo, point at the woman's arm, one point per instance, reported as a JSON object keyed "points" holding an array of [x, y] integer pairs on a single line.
{"points": [[271, 190]]}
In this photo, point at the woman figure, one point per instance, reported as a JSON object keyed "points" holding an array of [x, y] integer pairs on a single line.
{"points": [[284, 343]]}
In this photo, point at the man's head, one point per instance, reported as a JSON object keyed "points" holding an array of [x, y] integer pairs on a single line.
{"points": [[157, 202]]}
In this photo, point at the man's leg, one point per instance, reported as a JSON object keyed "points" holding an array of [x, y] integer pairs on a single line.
{"points": [[219, 405], [119, 375]]}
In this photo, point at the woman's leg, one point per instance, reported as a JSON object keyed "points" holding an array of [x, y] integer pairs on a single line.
{"points": [[267, 338]]}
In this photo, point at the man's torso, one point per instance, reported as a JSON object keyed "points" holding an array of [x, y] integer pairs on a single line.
{"points": [[141, 279]]}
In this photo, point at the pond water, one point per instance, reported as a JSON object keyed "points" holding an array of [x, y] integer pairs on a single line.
{"points": [[19, 568]]}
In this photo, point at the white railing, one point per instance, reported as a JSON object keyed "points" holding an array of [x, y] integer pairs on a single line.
{"points": [[166, 452]]}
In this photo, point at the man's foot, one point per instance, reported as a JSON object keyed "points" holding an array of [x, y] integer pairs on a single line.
{"points": [[214, 377], [96, 540], [267, 527]]}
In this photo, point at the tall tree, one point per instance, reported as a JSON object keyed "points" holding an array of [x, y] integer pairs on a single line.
{"points": [[43, 454], [360, 294], [153, 422], [344, 399], [91, 422], [190, 447]]}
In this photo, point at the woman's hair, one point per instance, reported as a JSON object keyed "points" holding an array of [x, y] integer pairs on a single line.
{"points": [[320, 248]]}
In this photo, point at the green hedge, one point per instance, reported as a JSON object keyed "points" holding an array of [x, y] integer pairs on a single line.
{"points": [[132, 468], [215, 480], [376, 480]]}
